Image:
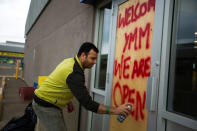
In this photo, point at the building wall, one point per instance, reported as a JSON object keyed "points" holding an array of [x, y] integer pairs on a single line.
{"points": [[57, 34], [35, 9]]}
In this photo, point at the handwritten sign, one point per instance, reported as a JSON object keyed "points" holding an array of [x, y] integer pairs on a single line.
{"points": [[132, 62]]}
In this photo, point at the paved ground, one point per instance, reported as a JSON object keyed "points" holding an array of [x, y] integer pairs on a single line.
{"points": [[9, 71], [12, 104]]}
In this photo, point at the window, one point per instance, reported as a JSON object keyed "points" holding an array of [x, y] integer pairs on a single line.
{"points": [[103, 45], [182, 86]]}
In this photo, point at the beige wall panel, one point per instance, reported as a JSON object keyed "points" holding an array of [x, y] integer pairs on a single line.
{"points": [[132, 62]]}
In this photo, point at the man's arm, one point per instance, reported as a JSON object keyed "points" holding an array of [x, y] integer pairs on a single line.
{"points": [[122, 109], [75, 82], [76, 85]]}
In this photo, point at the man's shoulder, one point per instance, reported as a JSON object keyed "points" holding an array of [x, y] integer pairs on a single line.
{"points": [[67, 62], [66, 65]]}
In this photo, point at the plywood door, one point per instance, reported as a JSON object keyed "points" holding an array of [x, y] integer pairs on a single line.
{"points": [[132, 62]]}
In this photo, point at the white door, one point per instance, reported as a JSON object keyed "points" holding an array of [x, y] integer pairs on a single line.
{"points": [[172, 88]]}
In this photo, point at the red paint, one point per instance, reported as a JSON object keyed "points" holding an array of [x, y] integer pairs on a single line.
{"points": [[135, 12], [128, 14], [131, 99], [133, 96], [143, 9], [135, 69], [121, 68], [147, 66], [121, 21], [125, 93], [143, 33], [126, 67], [117, 86], [141, 68], [140, 105], [118, 67], [151, 4], [132, 37]]}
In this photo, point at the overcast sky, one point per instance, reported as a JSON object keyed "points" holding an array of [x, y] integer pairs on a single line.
{"points": [[13, 14]]}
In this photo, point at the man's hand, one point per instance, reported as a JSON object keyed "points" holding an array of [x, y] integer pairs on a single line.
{"points": [[122, 109], [70, 107]]}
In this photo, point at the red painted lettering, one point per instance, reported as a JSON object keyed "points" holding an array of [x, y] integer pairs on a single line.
{"points": [[125, 93], [143, 9], [142, 69], [135, 69], [118, 67], [130, 38], [117, 85], [137, 15], [151, 3], [132, 96], [140, 105], [131, 99], [128, 14], [143, 33], [121, 21], [127, 37], [134, 12], [126, 67], [147, 66]]}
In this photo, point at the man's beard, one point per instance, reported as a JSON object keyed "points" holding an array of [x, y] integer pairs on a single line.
{"points": [[86, 65]]}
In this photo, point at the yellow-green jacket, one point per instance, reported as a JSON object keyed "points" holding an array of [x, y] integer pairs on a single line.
{"points": [[66, 81]]}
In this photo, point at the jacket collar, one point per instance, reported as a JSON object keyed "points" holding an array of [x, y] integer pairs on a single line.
{"points": [[78, 61]]}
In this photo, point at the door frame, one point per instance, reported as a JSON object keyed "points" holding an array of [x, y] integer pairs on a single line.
{"points": [[109, 75], [109, 78], [164, 115], [107, 90], [152, 92]]}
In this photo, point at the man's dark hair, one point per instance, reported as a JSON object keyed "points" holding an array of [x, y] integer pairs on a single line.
{"points": [[86, 47]]}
